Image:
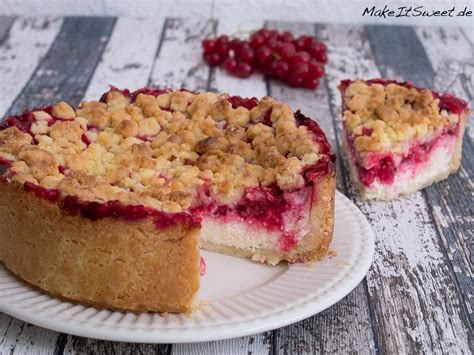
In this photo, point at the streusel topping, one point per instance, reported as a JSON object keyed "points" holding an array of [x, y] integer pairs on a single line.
{"points": [[159, 149], [386, 117]]}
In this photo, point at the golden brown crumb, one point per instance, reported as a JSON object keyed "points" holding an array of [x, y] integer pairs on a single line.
{"points": [[386, 117], [161, 149]]}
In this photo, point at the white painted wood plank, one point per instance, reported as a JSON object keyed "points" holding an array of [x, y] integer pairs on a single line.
{"points": [[415, 302], [254, 86], [17, 337], [20, 53], [179, 62], [452, 57], [128, 57]]}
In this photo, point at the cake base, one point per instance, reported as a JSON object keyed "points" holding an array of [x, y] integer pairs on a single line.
{"points": [[106, 263]]}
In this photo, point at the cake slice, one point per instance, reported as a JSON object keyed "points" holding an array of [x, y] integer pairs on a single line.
{"points": [[399, 138], [108, 203]]}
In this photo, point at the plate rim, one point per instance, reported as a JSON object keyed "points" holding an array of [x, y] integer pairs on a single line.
{"points": [[238, 328]]}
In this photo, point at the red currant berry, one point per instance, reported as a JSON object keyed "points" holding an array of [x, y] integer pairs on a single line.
{"points": [[236, 45], [315, 70], [256, 41], [271, 69], [247, 54], [311, 83], [282, 70], [299, 44], [243, 70], [212, 59], [274, 34], [300, 57], [209, 45], [230, 64], [308, 41], [222, 39], [287, 51], [295, 81], [301, 69], [321, 57], [264, 55], [266, 34], [286, 36]]}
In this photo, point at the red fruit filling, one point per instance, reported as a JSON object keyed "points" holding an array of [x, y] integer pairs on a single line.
{"points": [[202, 266]]}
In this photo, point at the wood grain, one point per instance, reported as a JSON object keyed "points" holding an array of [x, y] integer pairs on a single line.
{"points": [[349, 319], [442, 198], [129, 68], [447, 49], [5, 24], [410, 286], [25, 44], [179, 63], [65, 71]]}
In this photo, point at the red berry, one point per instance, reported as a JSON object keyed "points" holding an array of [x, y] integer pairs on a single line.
{"points": [[315, 70], [223, 49], [286, 36], [287, 51], [243, 70], [308, 41], [300, 57], [230, 64], [222, 39], [236, 45], [256, 41], [247, 54], [311, 83], [266, 34], [282, 70], [322, 57], [212, 59], [271, 69], [315, 50], [264, 55], [299, 44], [295, 81], [274, 34], [301, 69], [208, 45]]}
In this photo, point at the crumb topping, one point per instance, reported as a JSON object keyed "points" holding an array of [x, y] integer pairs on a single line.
{"points": [[159, 149], [386, 117]]}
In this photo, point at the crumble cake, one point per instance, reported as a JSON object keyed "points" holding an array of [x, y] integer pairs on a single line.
{"points": [[107, 204], [399, 138]]}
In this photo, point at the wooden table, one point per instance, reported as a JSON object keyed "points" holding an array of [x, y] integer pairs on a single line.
{"points": [[418, 295]]}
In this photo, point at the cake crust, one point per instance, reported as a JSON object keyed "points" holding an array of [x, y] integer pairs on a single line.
{"points": [[105, 263]]}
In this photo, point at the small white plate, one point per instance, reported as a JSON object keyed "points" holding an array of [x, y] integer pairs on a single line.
{"points": [[242, 297]]}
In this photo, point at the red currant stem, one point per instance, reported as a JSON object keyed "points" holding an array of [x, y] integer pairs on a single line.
{"points": [[213, 18]]}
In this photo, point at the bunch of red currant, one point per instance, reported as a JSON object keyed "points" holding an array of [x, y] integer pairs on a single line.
{"points": [[299, 62]]}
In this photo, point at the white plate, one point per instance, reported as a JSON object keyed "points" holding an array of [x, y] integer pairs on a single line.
{"points": [[243, 297]]}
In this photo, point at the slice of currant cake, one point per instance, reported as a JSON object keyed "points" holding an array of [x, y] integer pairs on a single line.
{"points": [[108, 204], [399, 138]]}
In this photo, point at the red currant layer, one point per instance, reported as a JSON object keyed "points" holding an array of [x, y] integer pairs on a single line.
{"points": [[299, 62], [264, 207]]}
